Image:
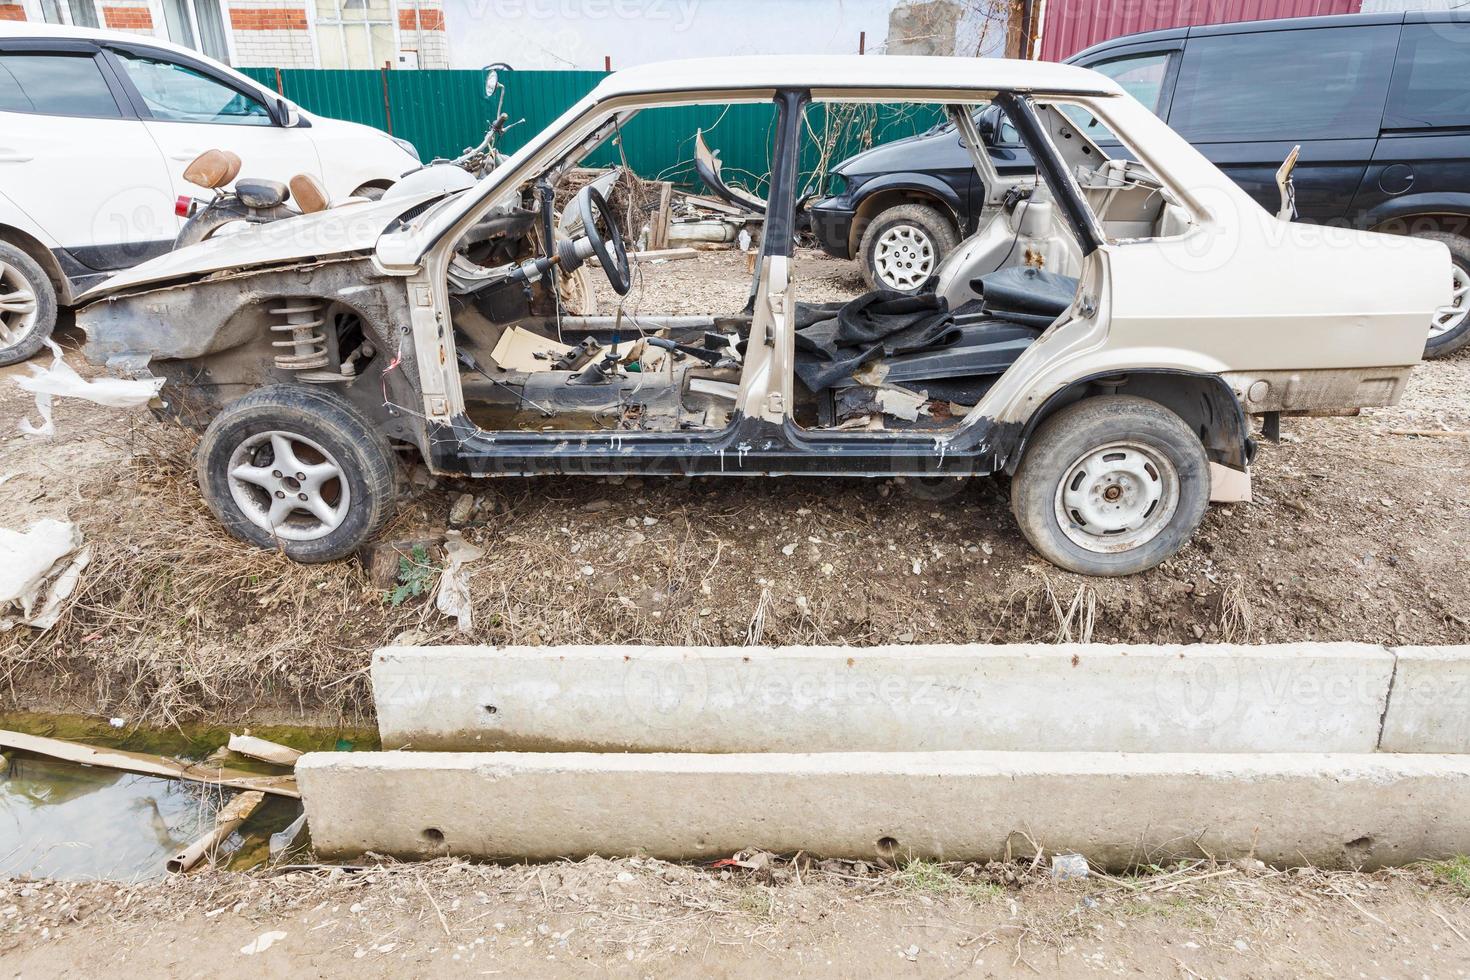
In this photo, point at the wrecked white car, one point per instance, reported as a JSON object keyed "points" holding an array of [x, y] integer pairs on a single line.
{"points": [[1109, 383]]}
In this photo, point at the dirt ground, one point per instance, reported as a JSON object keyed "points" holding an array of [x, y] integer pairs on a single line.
{"points": [[1356, 533], [641, 917]]}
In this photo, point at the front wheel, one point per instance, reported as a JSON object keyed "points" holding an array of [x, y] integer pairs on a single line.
{"points": [[299, 469], [1111, 485], [27, 305]]}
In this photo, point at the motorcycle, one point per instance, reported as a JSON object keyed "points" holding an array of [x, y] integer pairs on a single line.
{"points": [[257, 201]]}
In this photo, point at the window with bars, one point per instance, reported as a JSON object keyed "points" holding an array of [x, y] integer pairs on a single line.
{"points": [[78, 13], [355, 33], [197, 24]]}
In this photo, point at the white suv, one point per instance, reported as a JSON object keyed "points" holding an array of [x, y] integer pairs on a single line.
{"points": [[96, 129]]}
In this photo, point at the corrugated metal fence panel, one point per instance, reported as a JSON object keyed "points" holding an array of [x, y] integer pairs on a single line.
{"points": [[444, 112], [538, 97], [339, 93], [1069, 26]]}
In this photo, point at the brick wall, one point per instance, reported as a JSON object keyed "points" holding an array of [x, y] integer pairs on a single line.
{"points": [[273, 49], [127, 16], [268, 19], [12, 11], [424, 19], [421, 30], [271, 34]]}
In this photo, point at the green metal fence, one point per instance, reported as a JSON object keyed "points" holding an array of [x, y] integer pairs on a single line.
{"points": [[444, 112]]}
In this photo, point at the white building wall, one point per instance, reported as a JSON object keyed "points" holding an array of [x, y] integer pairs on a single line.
{"points": [[274, 49], [581, 33]]}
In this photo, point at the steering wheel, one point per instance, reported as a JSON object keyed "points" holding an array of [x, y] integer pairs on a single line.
{"points": [[608, 248]]}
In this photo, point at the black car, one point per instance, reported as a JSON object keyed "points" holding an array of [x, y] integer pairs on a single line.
{"points": [[1379, 103], [900, 207]]}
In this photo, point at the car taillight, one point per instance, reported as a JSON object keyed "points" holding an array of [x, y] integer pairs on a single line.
{"points": [[184, 206]]}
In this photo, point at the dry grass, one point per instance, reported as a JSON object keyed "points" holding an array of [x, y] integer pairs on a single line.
{"points": [[1237, 621], [175, 618], [1044, 609]]}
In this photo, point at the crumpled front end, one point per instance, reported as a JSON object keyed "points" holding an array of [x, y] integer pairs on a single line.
{"points": [[339, 324]]}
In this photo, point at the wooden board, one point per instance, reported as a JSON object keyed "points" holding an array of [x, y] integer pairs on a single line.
{"points": [[659, 237], [148, 765]]}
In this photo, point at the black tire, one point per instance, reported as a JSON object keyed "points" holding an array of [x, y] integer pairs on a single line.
{"points": [[370, 192], [17, 264], [1127, 425], [920, 220], [1457, 337], [358, 449]]}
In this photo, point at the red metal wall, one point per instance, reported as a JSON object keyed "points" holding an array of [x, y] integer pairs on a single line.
{"points": [[1071, 25]]}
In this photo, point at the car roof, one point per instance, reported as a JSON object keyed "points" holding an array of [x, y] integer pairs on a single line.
{"points": [[1278, 24], [23, 29], [821, 73], [34, 30]]}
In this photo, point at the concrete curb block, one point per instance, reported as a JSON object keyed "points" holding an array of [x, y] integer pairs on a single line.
{"points": [[1117, 809], [1429, 707], [1304, 697]]}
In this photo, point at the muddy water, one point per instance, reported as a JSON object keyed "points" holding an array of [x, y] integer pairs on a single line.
{"points": [[62, 820]]}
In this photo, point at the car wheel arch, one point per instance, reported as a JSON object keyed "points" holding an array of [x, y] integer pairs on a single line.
{"points": [[371, 185], [43, 257], [1205, 402], [891, 194], [1411, 215]]}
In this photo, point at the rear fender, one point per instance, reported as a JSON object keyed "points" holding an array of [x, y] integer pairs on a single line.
{"points": [[1205, 403]]}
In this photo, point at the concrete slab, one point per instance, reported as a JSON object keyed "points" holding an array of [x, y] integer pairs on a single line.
{"points": [[1429, 709], [1304, 697], [1117, 809]]}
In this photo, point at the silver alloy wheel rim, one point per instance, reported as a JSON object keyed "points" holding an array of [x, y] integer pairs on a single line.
{"points": [[1451, 316], [1117, 498], [904, 257], [19, 306], [295, 499]]}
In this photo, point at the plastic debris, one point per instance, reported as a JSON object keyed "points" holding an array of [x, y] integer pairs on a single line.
{"points": [[283, 840], [39, 570], [262, 942], [453, 595], [265, 751], [1067, 866], [61, 380]]}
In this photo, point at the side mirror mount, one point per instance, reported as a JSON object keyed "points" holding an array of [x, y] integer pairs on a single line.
{"points": [[1284, 184], [284, 114], [988, 124]]}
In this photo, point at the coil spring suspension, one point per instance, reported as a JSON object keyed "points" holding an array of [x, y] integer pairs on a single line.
{"points": [[306, 350]]}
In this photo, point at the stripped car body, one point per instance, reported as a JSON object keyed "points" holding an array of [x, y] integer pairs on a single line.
{"points": [[1194, 300]]}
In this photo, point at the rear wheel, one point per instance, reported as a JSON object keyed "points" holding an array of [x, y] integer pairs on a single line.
{"points": [[903, 246], [299, 469], [1449, 330], [27, 305], [1111, 486]]}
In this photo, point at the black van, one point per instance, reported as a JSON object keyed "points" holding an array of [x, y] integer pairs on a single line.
{"points": [[1380, 104]]}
